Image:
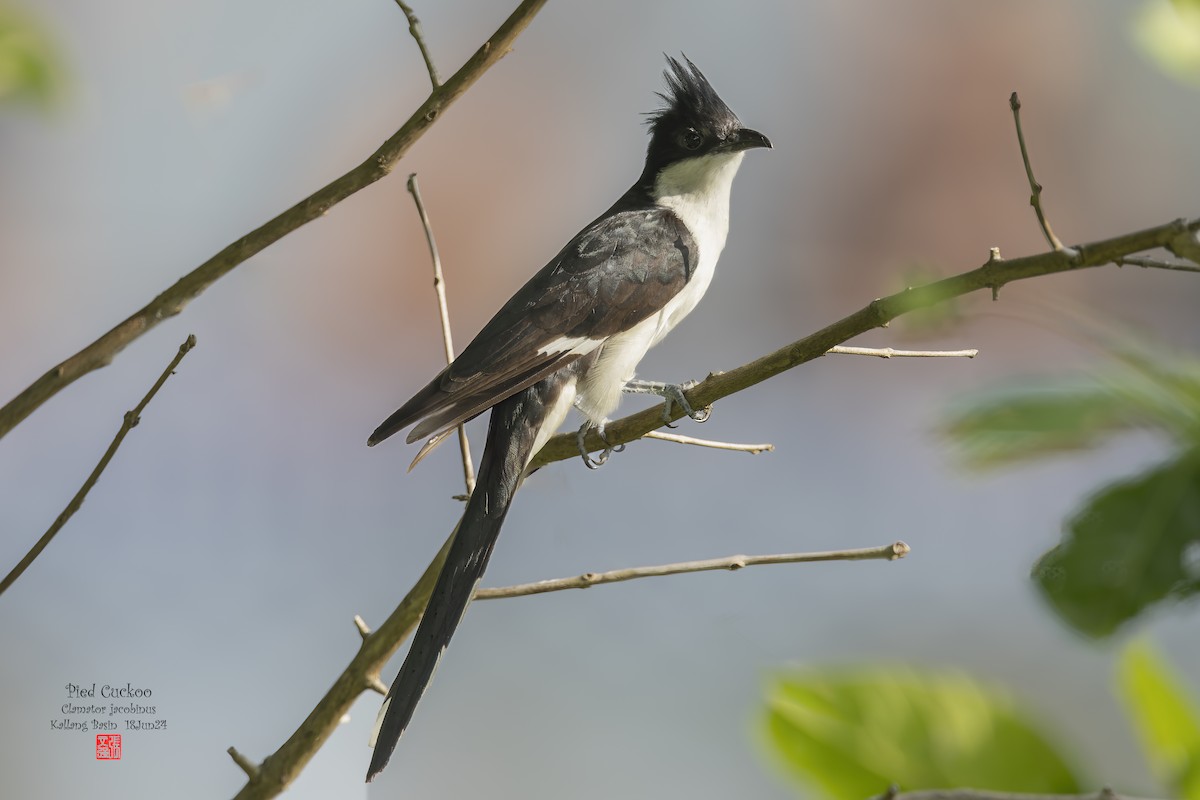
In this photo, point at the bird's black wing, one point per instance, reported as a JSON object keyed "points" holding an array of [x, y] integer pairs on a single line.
{"points": [[618, 271]]}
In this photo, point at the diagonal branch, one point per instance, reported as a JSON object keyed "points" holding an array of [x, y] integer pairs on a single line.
{"points": [[172, 301], [992, 275], [132, 418]]}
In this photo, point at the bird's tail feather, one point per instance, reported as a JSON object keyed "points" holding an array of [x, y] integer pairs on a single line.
{"points": [[512, 431]]}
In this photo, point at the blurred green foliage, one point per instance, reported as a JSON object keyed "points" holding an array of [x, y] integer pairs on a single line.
{"points": [[1168, 33], [1134, 543], [1165, 717], [937, 318], [853, 733], [29, 69]]}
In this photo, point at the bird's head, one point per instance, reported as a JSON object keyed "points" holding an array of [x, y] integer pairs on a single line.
{"points": [[695, 133]]}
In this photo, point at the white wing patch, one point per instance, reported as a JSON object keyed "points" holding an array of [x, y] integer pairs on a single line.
{"points": [[571, 344]]}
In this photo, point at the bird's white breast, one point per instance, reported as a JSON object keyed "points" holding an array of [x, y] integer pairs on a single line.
{"points": [[697, 191]]}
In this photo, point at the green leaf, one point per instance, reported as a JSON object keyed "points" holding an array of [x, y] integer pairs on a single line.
{"points": [[1140, 388], [1168, 33], [1047, 417], [1165, 716], [854, 733], [1134, 544], [28, 63]]}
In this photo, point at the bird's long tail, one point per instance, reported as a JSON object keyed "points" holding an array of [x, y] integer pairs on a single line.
{"points": [[512, 433]]}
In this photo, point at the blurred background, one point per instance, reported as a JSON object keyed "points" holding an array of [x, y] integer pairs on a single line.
{"points": [[221, 558]]}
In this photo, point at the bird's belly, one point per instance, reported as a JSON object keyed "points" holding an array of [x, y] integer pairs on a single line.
{"points": [[599, 389]]}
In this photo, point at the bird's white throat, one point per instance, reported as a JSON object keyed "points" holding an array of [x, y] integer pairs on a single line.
{"points": [[697, 190]]}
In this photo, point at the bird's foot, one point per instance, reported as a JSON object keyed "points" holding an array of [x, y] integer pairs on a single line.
{"points": [[672, 394], [602, 459]]}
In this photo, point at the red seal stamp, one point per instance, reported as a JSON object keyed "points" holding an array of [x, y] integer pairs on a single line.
{"points": [[108, 747]]}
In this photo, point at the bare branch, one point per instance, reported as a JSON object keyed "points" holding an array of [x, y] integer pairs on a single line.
{"points": [[132, 418], [754, 449], [1035, 198], [439, 286], [995, 273], [414, 27], [172, 301], [888, 352], [889, 552]]}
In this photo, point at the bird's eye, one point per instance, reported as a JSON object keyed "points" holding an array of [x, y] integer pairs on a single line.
{"points": [[691, 139]]}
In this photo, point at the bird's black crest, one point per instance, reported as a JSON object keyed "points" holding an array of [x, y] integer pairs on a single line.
{"points": [[691, 98]]}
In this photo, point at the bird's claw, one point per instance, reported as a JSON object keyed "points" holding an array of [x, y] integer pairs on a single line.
{"points": [[673, 395], [678, 398], [602, 459]]}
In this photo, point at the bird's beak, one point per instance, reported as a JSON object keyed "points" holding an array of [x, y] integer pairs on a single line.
{"points": [[746, 139]]}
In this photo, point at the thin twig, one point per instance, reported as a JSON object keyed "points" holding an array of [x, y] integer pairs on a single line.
{"points": [[1035, 198], [888, 352], [131, 419], [1154, 263], [889, 552], [414, 27], [173, 300], [439, 286], [680, 439]]}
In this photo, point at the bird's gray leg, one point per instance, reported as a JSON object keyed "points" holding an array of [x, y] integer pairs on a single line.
{"points": [[672, 393], [602, 459]]}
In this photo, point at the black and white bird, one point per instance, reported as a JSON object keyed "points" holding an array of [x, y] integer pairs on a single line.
{"points": [[573, 336]]}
